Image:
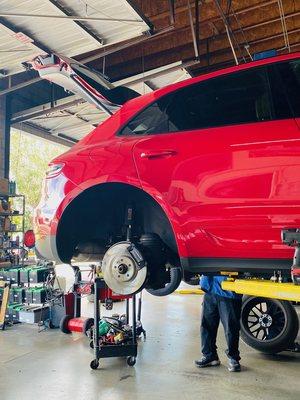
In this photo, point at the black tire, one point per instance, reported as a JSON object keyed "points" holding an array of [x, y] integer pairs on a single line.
{"points": [[175, 279], [268, 325], [131, 361], [88, 323], [63, 325], [94, 364]]}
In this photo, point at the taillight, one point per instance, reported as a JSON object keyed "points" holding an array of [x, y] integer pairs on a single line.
{"points": [[54, 170], [29, 239]]}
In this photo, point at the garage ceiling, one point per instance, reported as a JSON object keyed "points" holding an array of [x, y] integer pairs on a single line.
{"points": [[184, 38], [31, 27]]}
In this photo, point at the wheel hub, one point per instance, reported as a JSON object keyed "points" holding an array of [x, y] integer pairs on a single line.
{"points": [[121, 271], [265, 320], [123, 268]]}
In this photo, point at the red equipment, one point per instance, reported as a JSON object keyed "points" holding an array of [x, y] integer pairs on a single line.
{"points": [[107, 293], [79, 324], [72, 321]]}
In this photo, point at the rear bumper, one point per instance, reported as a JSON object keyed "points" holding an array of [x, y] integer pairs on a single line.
{"points": [[46, 248], [45, 233], [56, 193]]}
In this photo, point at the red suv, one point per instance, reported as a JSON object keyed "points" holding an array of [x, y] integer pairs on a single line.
{"points": [[200, 176]]}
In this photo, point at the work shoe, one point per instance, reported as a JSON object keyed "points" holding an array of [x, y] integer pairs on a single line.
{"points": [[233, 365], [207, 362]]}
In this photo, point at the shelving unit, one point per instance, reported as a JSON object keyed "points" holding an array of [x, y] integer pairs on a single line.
{"points": [[12, 222]]}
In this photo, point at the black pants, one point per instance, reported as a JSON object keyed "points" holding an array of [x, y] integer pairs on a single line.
{"points": [[229, 311]]}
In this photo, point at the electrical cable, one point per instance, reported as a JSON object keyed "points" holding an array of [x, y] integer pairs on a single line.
{"points": [[284, 27], [246, 43], [229, 32], [229, 4]]}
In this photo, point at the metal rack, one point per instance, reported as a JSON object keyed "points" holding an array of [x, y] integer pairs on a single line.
{"points": [[128, 350], [6, 234]]}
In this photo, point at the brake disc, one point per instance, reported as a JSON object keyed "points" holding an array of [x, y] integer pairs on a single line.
{"points": [[121, 271]]}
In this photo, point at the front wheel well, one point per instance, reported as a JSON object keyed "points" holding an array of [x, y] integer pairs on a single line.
{"points": [[97, 215]]}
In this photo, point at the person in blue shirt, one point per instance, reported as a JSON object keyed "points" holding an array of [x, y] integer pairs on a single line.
{"points": [[219, 304]]}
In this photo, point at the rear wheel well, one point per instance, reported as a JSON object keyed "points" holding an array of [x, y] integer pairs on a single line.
{"points": [[97, 216]]}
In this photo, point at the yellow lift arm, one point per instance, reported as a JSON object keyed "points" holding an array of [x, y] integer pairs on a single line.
{"points": [[263, 288]]}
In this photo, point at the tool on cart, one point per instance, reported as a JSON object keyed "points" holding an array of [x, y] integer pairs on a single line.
{"points": [[116, 328], [291, 237], [115, 337]]}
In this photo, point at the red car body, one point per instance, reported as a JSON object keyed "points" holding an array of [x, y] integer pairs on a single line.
{"points": [[226, 191]]}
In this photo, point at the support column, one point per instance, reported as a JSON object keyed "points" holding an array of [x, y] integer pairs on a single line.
{"points": [[4, 137]]}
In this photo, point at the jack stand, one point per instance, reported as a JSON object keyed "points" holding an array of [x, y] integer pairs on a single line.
{"points": [[291, 237]]}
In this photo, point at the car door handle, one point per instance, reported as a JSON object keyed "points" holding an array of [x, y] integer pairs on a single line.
{"points": [[158, 154]]}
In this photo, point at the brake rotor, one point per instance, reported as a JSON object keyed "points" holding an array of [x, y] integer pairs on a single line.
{"points": [[121, 271]]}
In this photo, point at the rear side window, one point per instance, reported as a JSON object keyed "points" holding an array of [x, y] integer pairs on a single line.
{"points": [[290, 76], [237, 98], [153, 119]]}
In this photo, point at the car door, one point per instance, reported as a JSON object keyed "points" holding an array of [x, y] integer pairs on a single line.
{"points": [[217, 152]]}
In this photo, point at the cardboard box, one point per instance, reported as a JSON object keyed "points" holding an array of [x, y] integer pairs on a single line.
{"points": [[3, 186]]}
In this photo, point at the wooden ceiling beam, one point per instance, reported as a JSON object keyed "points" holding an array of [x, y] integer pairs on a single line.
{"points": [[185, 52], [183, 35], [182, 24], [240, 7], [178, 38]]}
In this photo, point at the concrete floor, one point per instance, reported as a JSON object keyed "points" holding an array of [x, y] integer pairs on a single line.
{"points": [[51, 365]]}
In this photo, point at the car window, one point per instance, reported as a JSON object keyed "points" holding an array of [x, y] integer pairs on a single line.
{"points": [[227, 100], [290, 75], [152, 120]]}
